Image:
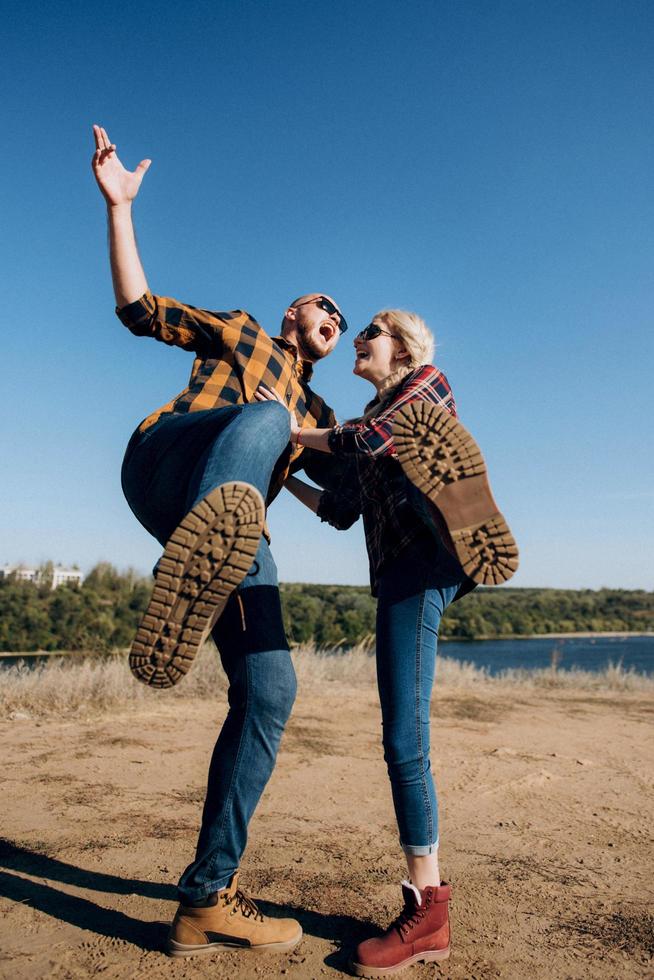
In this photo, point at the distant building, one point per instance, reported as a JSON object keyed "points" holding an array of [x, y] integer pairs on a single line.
{"points": [[26, 573], [61, 575], [21, 572]]}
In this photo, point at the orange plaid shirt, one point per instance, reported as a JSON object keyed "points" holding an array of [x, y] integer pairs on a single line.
{"points": [[233, 356]]}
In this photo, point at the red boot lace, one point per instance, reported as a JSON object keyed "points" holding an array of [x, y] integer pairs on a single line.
{"points": [[409, 917]]}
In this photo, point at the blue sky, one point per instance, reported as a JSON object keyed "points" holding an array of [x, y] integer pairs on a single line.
{"points": [[487, 164]]}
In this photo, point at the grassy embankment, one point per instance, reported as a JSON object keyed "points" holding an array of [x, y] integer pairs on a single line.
{"points": [[80, 686]]}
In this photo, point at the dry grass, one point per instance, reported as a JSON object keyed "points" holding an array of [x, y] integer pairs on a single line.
{"points": [[614, 677], [74, 687]]}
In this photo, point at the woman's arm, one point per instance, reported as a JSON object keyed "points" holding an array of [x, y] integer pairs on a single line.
{"points": [[308, 495], [374, 436], [312, 439]]}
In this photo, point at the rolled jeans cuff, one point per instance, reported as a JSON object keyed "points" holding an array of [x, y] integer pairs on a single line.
{"points": [[187, 896], [419, 850]]}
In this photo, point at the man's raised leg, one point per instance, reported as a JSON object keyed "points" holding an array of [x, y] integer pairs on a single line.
{"points": [[210, 551]]}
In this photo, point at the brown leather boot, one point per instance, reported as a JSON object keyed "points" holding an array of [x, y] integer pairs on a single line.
{"points": [[205, 558], [442, 460], [233, 922], [420, 933]]}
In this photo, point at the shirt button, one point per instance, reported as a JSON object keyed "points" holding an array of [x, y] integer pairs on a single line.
{"points": [[289, 392]]}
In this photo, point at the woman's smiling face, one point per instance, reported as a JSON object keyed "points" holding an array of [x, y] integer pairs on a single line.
{"points": [[378, 356]]}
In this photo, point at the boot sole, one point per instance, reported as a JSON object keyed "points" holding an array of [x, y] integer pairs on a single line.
{"points": [[442, 459], [176, 949], [205, 558], [431, 956]]}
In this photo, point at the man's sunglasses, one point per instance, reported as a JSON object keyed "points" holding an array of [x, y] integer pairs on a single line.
{"points": [[326, 304], [373, 330]]}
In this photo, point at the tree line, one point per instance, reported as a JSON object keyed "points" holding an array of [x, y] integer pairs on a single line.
{"points": [[102, 614]]}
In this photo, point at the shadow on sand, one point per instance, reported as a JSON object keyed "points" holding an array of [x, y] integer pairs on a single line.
{"points": [[344, 930], [82, 913], [13, 857]]}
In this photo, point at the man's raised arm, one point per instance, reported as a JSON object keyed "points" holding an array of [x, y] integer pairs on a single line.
{"points": [[119, 187]]}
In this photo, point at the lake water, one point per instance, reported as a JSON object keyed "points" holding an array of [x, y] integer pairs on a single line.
{"points": [[584, 653], [589, 653]]}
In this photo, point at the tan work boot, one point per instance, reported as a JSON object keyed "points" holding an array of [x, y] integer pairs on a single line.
{"points": [[441, 459], [233, 922], [205, 558], [421, 933]]}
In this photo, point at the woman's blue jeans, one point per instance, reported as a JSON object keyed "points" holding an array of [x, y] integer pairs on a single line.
{"points": [[414, 592], [166, 471]]}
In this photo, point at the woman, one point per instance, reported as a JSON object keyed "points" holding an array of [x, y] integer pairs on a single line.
{"points": [[432, 532]]}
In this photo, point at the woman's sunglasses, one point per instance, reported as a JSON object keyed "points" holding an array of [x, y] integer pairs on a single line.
{"points": [[373, 330], [326, 304]]}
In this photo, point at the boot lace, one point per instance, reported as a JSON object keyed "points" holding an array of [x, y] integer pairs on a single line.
{"points": [[245, 906], [408, 918]]}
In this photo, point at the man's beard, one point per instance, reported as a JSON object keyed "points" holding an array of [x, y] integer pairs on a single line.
{"points": [[309, 347]]}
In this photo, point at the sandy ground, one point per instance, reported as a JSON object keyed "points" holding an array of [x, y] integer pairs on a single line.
{"points": [[545, 836]]}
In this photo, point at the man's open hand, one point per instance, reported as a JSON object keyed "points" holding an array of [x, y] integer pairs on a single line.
{"points": [[118, 186]]}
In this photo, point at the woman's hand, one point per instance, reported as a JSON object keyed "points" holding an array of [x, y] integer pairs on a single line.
{"points": [[311, 438], [263, 394]]}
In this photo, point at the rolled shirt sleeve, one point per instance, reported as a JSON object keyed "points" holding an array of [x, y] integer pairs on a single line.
{"points": [[174, 323], [371, 438]]}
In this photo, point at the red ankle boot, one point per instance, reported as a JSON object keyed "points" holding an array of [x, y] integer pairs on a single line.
{"points": [[420, 932]]}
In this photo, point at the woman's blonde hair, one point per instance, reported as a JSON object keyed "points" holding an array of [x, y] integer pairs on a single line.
{"points": [[416, 338]]}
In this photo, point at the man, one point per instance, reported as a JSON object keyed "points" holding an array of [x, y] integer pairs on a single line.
{"points": [[197, 474]]}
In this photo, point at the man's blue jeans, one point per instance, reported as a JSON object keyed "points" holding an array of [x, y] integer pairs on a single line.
{"points": [[414, 592], [166, 471]]}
